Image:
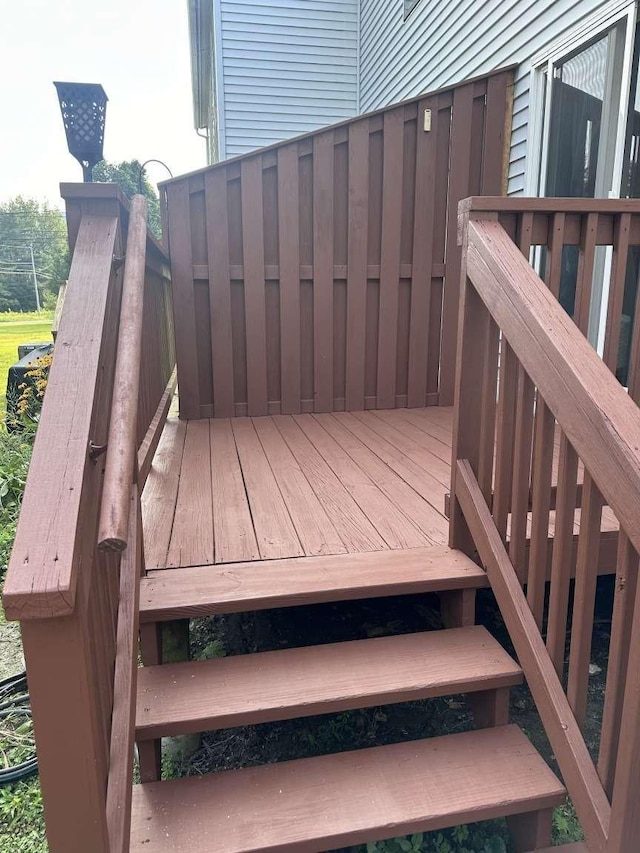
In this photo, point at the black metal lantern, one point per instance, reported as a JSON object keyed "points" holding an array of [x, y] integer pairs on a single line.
{"points": [[83, 107]]}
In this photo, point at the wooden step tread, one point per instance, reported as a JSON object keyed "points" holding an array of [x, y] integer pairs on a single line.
{"points": [[203, 590], [243, 690], [316, 804], [577, 847]]}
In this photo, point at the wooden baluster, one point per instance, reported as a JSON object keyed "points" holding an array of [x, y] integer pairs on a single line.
{"points": [[626, 584], [584, 597], [522, 440], [625, 814], [621, 231], [584, 279], [505, 433], [491, 345], [542, 467], [562, 559]]}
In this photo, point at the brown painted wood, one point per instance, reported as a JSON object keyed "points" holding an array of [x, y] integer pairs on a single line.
{"points": [[584, 278], [460, 157], [119, 791], [422, 254], [619, 258], [540, 508], [394, 527], [121, 443], [289, 260], [573, 380], [315, 531], [275, 532], [184, 317], [530, 831], [254, 285], [584, 598], [191, 541], [400, 431], [505, 437], [392, 166], [149, 445], [423, 515], [354, 528], [205, 590], [357, 263], [625, 816], [564, 734], [234, 535], [161, 492], [42, 575], [323, 161], [349, 798], [257, 688], [215, 184], [520, 489], [618, 661]]}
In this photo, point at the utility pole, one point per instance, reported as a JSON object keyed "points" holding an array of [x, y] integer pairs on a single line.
{"points": [[35, 279]]}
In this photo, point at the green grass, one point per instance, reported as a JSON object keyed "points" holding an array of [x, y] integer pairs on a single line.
{"points": [[18, 329]]}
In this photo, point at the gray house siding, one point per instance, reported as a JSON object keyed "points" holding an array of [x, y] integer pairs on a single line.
{"points": [[446, 41], [284, 67]]}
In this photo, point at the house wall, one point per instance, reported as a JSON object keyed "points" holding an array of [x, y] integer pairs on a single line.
{"points": [[445, 41], [284, 67]]}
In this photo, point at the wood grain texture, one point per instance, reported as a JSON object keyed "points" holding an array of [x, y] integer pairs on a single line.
{"points": [[275, 532], [323, 163], [257, 688], [350, 798], [216, 201], [191, 542], [573, 380], [184, 593], [42, 574], [315, 531], [357, 263], [289, 260], [564, 733], [234, 535]]}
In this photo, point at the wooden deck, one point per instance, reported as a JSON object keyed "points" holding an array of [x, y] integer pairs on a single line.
{"points": [[235, 490], [223, 491]]}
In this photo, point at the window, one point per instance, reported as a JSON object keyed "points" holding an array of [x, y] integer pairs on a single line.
{"points": [[409, 6]]}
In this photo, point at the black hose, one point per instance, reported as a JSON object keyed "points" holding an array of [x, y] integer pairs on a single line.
{"points": [[11, 704]]}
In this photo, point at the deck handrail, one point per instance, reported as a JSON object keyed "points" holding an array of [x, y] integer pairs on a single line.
{"points": [[525, 370], [121, 443], [77, 604]]}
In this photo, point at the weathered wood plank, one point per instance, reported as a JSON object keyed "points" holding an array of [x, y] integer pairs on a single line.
{"points": [[289, 258], [215, 187], [323, 157], [275, 532], [191, 541], [233, 531]]}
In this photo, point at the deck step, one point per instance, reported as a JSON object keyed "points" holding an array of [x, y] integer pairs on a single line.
{"points": [[577, 847], [167, 594], [247, 689], [316, 804]]}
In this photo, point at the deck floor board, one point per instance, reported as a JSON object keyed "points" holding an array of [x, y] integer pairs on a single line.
{"points": [[232, 491]]}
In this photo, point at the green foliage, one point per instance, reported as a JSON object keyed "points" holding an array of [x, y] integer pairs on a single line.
{"points": [[15, 454], [26, 223], [487, 837], [21, 819], [566, 827], [127, 175]]}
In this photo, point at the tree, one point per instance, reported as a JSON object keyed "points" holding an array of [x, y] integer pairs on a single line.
{"points": [[27, 226], [131, 179]]}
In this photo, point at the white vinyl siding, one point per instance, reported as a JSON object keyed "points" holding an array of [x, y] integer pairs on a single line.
{"points": [[442, 43], [288, 67]]}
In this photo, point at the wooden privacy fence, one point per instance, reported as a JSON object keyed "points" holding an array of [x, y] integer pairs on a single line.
{"points": [[78, 606], [323, 273], [551, 383]]}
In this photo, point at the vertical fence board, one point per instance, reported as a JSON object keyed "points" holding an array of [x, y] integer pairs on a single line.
{"points": [[357, 262], [422, 256], [183, 299], [289, 261], [323, 160], [254, 285], [215, 183], [390, 256]]}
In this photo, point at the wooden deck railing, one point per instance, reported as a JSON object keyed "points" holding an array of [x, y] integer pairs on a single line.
{"points": [[77, 604], [527, 373]]}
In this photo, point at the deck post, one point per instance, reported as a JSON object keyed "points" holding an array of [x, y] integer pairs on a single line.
{"points": [[530, 831]]}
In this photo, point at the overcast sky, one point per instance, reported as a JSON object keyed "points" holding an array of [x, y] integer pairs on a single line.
{"points": [[137, 49]]}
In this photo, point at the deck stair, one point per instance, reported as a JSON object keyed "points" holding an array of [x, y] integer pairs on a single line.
{"points": [[331, 801]]}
